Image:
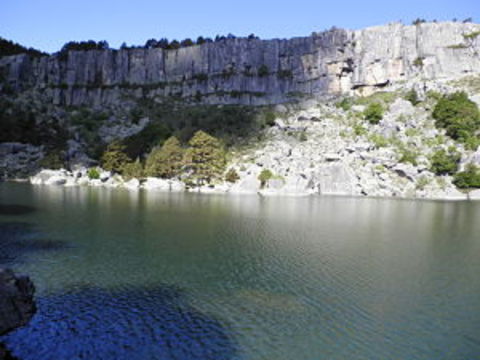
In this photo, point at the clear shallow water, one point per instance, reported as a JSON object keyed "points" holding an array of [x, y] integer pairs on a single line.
{"points": [[125, 275]]}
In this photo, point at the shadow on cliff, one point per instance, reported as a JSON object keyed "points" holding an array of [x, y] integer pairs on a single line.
{"points": [[21, 238], [137, 323]]}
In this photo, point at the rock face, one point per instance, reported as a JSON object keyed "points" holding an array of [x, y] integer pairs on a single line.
{"points": [[252, 71], [16, 301]]}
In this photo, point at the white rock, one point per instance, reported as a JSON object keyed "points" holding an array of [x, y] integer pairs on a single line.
{"points": [[474, 195], [152, 183], [132, 184]]}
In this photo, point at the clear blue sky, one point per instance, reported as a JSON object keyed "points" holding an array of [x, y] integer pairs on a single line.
{"points": [[48, 24]]}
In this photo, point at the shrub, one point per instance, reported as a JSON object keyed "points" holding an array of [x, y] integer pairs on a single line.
{"points": [[345, 104], [359, 130], [93, 174], [232, 176], [470, 178], [263, 71], [379, 140], [205, 158], [472, 143], [434, 95], [443, 163], [270, 118], [264, 176], [373, 113], [53, 160], [422, 182], [418, 62], [458, 115], [114, 158], [412, 96], [285, 74], [167, 161], [408, 156]]}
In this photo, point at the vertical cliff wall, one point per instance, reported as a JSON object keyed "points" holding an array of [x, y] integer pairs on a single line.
{"points": [[251, 71]]}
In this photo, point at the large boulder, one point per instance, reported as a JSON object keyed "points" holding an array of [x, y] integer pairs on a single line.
{"points": [[16, 304], [16, 301], [49, 177], [152, 183], [335, 179], [246, 185]]}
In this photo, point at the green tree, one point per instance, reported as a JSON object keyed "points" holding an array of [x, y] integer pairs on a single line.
{"points": [[470, 178], [373, 113], [445, 163], [167, 161], [114, 157], [264, 176], [205, 158], [412, 96], [458, 115], [132, 170]]}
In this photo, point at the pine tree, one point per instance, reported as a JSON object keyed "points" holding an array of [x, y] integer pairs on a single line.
{"points": [[167, 161], [114, 158], [205, 158], [132, 170]]}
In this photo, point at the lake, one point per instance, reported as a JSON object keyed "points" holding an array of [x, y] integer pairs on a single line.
{"points": [[137, 275]]}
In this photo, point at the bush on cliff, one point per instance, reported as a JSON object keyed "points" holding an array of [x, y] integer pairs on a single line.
{"points": [[458, 115], [470, 178], [93, 174], [167, 161], [373, 113], [412, 96], [204, 159], [445, 163], [264, 176]]}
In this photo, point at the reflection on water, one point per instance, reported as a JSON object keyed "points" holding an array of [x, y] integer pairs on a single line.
{"points": [[280, 278]]}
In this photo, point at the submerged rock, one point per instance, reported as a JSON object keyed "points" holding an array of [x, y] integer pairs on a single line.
{"points": [[16, 304], [16, 300]]}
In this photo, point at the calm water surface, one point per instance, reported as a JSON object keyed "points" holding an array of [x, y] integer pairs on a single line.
{"points": [[131, 275]]}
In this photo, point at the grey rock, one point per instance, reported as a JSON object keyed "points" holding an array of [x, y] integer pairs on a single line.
{"points": [[332, 62], [16, 301]]}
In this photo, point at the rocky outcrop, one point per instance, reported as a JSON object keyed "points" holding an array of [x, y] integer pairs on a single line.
{"points": [[252, 71], [19, 160], [16, 303]]}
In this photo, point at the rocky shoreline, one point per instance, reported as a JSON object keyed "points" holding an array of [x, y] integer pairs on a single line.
{"points": [[248, 186]]}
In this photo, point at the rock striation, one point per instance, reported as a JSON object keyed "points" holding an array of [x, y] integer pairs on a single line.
{"points": [[253, 71]]}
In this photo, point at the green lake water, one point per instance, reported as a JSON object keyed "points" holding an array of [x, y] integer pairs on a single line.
{"points": [[137, 275]]}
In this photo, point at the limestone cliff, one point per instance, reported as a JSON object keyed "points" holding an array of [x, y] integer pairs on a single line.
{"points": [[252, 71]]}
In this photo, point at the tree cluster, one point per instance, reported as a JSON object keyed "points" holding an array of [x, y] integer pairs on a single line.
{"points": [[8, 47], [201, 162], [458, 115]]}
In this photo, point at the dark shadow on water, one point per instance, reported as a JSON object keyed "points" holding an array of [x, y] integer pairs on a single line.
{"points": [[20, 238], [139, 323], [14, 209]]}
